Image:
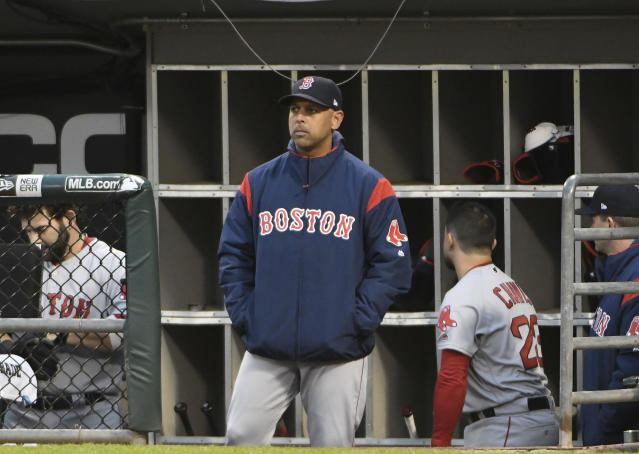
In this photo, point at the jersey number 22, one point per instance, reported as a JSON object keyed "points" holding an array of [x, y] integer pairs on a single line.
{"points": [[531, 351]]}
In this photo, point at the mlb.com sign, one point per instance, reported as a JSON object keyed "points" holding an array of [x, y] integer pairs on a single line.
{"points": [[84, 183], [31, 185], [102, 183]]}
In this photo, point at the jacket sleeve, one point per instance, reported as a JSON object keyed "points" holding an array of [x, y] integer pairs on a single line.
{"points": [[617, 417], [236, 257], [388, 268]]}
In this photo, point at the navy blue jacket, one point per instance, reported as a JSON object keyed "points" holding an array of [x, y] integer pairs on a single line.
{"points": [[312, 254], [617, 315]]}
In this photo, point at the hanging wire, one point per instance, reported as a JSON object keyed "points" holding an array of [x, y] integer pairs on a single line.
{"points": [[355, 74], [359, 70]]}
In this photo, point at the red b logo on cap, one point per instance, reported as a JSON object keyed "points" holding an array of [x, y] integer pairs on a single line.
{"points": [[306, 83]]}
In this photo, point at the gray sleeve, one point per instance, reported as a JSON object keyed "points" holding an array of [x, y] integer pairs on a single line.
{"points": [[457, 326]]}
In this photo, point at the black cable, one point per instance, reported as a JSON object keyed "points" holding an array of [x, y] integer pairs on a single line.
{"points": [[248, 46], [57, 17]]}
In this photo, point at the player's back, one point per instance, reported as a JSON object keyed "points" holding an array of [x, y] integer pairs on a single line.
{"points": [[496, 325]]}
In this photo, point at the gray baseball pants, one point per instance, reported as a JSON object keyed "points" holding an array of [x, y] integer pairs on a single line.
{"points": [[106, 414], [333, 395], [531, 428]]}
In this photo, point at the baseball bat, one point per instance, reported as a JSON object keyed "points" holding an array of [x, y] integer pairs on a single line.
{"points": [[207, 409], [409, 420], [181, 409]]}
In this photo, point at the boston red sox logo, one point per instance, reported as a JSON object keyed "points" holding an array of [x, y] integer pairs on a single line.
{"points": [[394, 235], [444, 319], [307, 83], [600, 323], [634, 330], [634, 327]]}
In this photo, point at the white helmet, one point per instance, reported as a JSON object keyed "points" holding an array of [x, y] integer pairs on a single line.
{"points": [[539, 135]]}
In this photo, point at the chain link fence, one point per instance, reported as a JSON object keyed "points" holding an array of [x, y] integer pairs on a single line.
{"points": [[65, 350], [55, 264]]}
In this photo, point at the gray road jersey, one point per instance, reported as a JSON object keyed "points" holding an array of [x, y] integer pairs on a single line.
{"points": [[489, 318], [86, 286]]}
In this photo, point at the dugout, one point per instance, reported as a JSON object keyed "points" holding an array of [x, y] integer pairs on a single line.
{"points": [[449, 86]]}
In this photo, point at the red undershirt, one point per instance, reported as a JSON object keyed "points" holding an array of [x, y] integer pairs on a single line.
{"points": [[450, 392]]}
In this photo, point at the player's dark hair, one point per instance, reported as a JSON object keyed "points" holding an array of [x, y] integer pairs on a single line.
{"points": [[473, 226], [55, 211]]}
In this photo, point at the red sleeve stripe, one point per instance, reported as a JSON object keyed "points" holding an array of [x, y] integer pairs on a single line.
{"points": [[629, 296], [245, 189], [382, 190]]}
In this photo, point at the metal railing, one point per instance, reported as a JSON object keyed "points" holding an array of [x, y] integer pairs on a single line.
{"points": [[570, 288], [67, 435], [119, 209]]}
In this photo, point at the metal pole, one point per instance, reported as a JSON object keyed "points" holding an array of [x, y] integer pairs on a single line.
{"points": [[71, 436], [568, 290], [366, 141], [11, 325], [608, 396], [607, 234], [605, 288], [567, 297], [226, 156], [605, 342], [363, 20]]}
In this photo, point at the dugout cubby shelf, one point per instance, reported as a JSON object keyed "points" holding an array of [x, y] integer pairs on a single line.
{"points": [[470, 121], [188, 231], [400, 119], [189, 127], [258, 128], [395, 319], [404, 376], [420, 229], [420, 125], [534, 224], [610, 112], [537, 96], [199, 364]]}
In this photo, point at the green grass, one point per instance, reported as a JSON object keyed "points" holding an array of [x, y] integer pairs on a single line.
{"points": [[180, 449]]}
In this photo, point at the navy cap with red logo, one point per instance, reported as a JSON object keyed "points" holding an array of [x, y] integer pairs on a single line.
{"points": [[613, 200], [317, 89]]}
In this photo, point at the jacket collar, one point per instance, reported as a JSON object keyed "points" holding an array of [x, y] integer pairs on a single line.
{"points": [[310, 170], [609, 267]]}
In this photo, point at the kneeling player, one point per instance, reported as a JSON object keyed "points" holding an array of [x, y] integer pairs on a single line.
{"points": [[491, 351]]}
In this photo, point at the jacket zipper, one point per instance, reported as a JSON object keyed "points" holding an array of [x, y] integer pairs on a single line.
{"points": [[308, 171], [301, 267]]}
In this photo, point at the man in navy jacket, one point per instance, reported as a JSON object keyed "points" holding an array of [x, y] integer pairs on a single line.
{"points": [[312, 254], [613, 206]]}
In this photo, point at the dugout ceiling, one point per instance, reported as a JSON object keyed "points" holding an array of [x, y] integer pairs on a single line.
{"points": [[429, 31], [61, 60]]}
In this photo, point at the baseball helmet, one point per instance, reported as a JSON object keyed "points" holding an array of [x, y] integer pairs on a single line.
{"points": [[485, 172], [542, 133], [548, 155]]}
